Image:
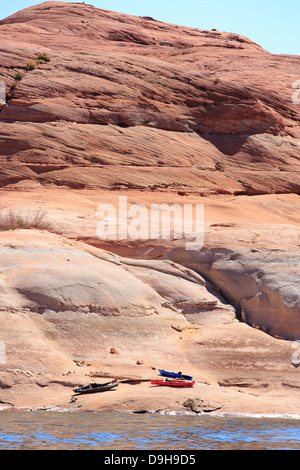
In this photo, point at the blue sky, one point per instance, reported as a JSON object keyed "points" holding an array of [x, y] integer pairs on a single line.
{"points": [[273, 24]]}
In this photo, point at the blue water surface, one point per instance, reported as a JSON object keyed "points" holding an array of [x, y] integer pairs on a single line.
{"points": [[48, 430]]}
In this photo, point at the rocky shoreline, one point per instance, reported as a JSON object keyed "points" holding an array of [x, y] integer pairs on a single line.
{"points": [[57, 338]]}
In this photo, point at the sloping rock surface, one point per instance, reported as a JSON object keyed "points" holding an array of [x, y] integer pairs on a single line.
{"points": [[160, 105], [43, 272], [161, 113]]}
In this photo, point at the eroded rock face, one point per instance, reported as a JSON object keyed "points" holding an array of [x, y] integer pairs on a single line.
{"points": [[172, 114], [262, 284], [260, 275], [99, 94], [250, 252], [137, 93], [44, 273], [68, 303]]}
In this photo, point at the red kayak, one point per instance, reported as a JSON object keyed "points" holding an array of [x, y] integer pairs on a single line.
{"points": [[173, 383]]}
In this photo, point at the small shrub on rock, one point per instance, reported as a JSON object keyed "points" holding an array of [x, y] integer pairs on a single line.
{"points": [[42, 58], [31, 65], [12, 220], [18, 75]]}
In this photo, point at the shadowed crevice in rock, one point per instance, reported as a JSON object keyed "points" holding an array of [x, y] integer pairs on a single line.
{"points": [[52, 276]]}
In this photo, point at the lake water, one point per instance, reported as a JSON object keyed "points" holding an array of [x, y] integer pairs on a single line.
{"points": [[49, 430]]}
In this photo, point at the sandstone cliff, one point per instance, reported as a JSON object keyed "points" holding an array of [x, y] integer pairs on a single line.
{"points": [[133, 102], [160, 113]]}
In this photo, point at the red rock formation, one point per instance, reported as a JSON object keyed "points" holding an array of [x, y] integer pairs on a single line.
{"points": [[123, 90], [173, 114]]}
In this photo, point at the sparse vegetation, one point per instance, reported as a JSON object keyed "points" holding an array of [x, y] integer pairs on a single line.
{"points": [[41, 58], [18, 75], [30, 65], [12, 220]]}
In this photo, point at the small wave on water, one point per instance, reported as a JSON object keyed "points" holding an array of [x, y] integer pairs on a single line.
{"points": [[52, 430]]}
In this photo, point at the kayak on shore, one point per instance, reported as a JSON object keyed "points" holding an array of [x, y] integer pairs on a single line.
{"points": [[178, 375], [96, 387]]}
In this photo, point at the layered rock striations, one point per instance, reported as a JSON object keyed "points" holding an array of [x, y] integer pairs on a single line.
{"points": [[101, 104], [129, 92]]}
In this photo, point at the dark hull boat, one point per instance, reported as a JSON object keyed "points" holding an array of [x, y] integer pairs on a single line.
{"points": [[96, 387], [174, 375]]}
